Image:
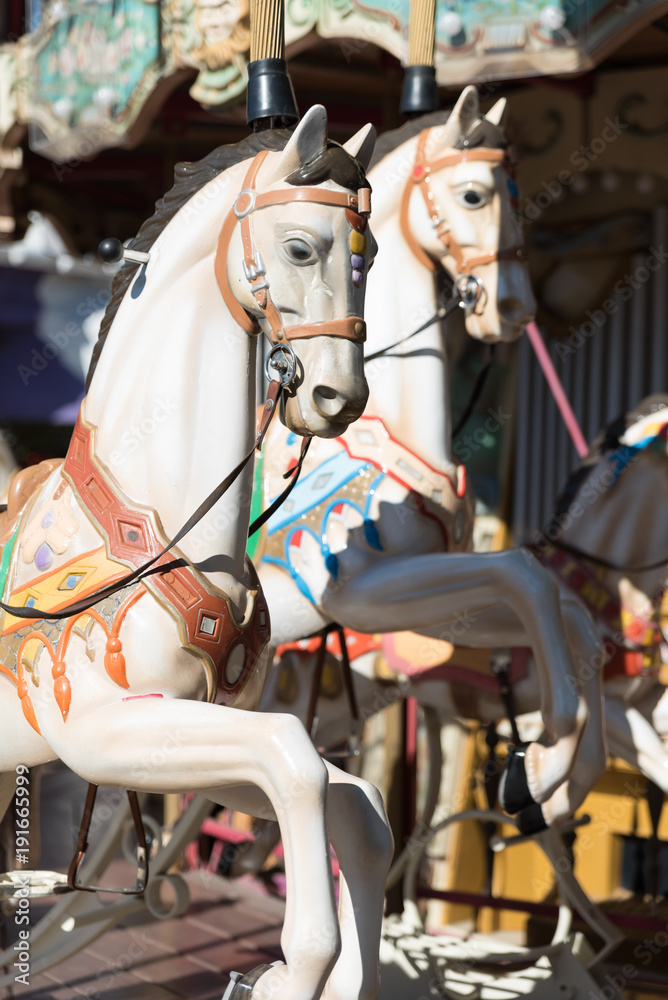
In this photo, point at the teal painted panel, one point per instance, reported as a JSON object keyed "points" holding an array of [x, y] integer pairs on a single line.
{"points": [[93, 59]]}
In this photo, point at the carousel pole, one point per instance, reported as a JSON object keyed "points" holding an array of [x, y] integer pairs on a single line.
{"points": [[420, 93], [270, 99]]}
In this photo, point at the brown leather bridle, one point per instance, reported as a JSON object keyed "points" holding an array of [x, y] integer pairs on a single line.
{"points": [[248, 201], [420, 177]]}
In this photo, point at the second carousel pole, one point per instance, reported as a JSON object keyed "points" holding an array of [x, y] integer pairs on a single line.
{"points": [[420, 93]]}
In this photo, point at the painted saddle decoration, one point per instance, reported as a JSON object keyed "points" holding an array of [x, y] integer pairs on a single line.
{"points": [[80, 534], [343, 488]]}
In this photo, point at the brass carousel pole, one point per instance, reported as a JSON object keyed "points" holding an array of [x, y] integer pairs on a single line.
{"points": [[270, 99], [420, 93]]}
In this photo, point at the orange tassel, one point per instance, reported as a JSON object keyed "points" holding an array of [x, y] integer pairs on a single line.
{"points": [[63, 693], [27, 707], [114, 662], [61, 688]]}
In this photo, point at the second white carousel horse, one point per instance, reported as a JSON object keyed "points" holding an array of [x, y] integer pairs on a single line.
{"points": [[149, 688], [374, 535]]}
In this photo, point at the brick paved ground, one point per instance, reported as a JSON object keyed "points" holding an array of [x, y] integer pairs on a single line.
{"points": [[228, 926]]}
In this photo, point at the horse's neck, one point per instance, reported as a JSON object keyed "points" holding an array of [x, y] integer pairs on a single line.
{"points": [[408, 387], [173, 401]]}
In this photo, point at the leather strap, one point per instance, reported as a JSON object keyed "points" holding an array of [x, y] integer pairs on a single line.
{"points": [[82, 846], [341, 199], [351, 328], [420, 177], [346, 671], [293, 475]]}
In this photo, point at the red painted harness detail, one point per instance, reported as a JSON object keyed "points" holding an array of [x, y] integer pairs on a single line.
{"points": [[132, 536]]}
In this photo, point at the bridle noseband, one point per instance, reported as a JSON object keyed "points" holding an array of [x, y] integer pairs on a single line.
{"points": [[421, 178], [248, 201]]}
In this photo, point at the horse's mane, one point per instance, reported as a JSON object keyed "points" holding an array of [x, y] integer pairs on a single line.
{"points": [[333, 163], [483, 133], [608, 440]]}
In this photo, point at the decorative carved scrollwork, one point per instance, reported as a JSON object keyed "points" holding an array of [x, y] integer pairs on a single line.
{"points": [[554, 126], [629, 103]]}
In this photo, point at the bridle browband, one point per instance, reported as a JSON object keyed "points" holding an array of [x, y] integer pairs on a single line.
{"points": [[420, 178], [249, 201]]}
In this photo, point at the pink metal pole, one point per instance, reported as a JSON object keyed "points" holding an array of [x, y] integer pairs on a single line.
{"points": [[560, 398]]}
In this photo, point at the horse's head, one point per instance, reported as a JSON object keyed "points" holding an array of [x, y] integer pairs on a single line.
{"points": [[609, 507], [458, 209], [294, 255]]}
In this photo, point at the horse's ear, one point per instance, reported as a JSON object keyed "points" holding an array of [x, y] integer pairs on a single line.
{"points": [[307, 140], [466, 111], [361, 145], [460, 122], [497, 114]]}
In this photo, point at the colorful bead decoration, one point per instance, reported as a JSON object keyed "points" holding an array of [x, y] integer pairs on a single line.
{"points": [[357, 259], [357, 242]]}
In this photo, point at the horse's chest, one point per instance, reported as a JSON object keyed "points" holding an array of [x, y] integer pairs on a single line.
{"points": [[366, 497]]}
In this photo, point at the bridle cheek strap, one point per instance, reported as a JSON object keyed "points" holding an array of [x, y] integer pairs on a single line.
{"points": [[247, 201], [420, 177]]}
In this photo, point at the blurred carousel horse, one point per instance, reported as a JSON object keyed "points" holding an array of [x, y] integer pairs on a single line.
{"points": [[375, 535], [147, 645]]}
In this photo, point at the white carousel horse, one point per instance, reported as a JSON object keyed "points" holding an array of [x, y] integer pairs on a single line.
{"points": [[123, 692], [374, 535]]}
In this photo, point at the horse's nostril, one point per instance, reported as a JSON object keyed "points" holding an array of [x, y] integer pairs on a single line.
{"points": [[328, 401]]}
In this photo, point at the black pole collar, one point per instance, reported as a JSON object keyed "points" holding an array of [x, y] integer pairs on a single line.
{"points": [[419, 94], [270, 99]]}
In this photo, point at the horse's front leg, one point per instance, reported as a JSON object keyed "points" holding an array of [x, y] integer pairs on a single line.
{"points": [[592, 752], [360, 834], [501, 599], [19, 743], [173, 745]]}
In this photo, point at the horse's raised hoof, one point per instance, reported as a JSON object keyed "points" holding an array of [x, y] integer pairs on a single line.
{"points": [[514, 793], [531, 820], [240, 986]]}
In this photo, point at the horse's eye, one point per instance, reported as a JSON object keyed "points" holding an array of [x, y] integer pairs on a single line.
{"points": [[471, 198], [299, 251]]}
